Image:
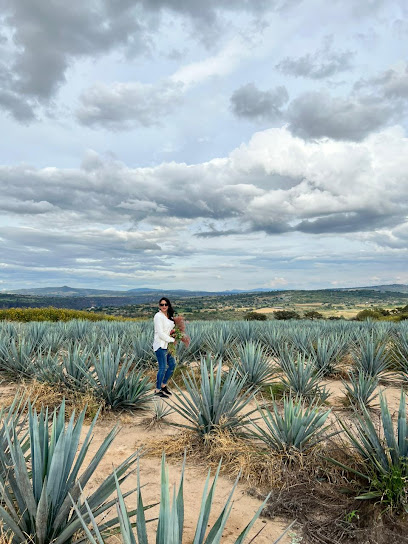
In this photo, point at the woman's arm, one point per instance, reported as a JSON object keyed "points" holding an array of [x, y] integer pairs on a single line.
{"points": [[158, 328]]}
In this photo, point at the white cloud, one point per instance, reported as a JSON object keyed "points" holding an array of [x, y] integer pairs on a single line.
{"points": [[221, 64]]}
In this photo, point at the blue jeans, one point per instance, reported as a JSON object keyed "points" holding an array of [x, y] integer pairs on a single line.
{"points": [[163, 375]]}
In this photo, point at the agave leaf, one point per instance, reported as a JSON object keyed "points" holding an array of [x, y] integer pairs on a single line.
{"points": [[206, 503], [402, 427], [21, 472], [85, 527], [162, 527], [369, 495], [215, 533], [245, 532], [180, 502], [126, 528], [389, 430], [140, 517], [12, 525], [8, 501], [42, 515]]}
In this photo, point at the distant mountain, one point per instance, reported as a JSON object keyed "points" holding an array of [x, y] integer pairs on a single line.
{"points": [[147, 293], [66, 291], [394, 287]]}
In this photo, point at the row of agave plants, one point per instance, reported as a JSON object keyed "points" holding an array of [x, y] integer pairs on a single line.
{"points": [[43, 477], [111, 358]]}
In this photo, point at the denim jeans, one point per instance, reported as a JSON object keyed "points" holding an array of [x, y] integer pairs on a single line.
{"points": [[163, 374]]}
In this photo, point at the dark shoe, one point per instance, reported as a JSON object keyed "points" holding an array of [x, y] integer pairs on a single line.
{"points": [[166, 390], [161, 394]]}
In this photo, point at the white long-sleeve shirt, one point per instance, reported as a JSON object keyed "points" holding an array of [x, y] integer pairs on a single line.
{"points": [[162, 329]]}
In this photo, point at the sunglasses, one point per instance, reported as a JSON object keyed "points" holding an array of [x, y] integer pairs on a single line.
{"points": [[163, 304]]}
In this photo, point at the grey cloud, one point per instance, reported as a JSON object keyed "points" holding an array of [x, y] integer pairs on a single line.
{"points": [[390, 84], [251, 103], [321, 64], [207, 11], [25, 206], [47, 37], [318, 115], [271, 226], [215, 233], [347, 222], [21, 110], [124, 106], [107, 240]]}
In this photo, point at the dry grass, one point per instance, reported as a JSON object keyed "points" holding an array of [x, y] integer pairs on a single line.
{"points": [[174, 446], [46, 395], [259, 468], [5, 537]]}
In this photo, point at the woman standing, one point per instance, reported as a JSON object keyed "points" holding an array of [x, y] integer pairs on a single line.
{"points": [[163, 326]]}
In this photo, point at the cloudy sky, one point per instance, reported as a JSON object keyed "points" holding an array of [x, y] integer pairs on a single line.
{"points": [[203, 145]]}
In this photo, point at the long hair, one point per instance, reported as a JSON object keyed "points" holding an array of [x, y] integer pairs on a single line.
{"points": [[170, 309]]}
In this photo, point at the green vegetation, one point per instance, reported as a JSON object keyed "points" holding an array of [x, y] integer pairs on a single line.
{"points": [[361, 388], [215, 402], [51, 314], [297, 427], [255, 316], [383, 456], [253, 364], [299, 376], [286, 314], [118, 381]]}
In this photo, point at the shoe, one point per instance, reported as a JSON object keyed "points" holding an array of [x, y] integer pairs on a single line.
{"points": [[161, 394], [166, 390]]}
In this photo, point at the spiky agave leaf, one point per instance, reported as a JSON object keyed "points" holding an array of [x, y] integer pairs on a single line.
{"points": [[37, 497], [218, 341], [361, 388], [16, 357], [400, 354], [171, 515], [47, 368], [76, 362], [383, 453], [371, 355], [253, 364], [300, 376], [272, 337], [327, 353], [15, 416], [215, 402], [299, 427], [117, 381]]}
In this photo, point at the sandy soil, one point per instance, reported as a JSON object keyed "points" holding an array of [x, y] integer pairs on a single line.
{"points": [[134, 436]]}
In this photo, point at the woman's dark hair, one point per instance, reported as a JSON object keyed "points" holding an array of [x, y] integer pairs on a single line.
{"points": [[170, 309]]}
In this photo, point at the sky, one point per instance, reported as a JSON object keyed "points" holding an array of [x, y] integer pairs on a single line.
{"points": [[182, 144]]}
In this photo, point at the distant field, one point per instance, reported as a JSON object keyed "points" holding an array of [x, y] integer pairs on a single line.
{"points": [[328, 302]]}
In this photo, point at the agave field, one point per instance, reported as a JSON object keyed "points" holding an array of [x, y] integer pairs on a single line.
{"points": [[296, 399]]}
